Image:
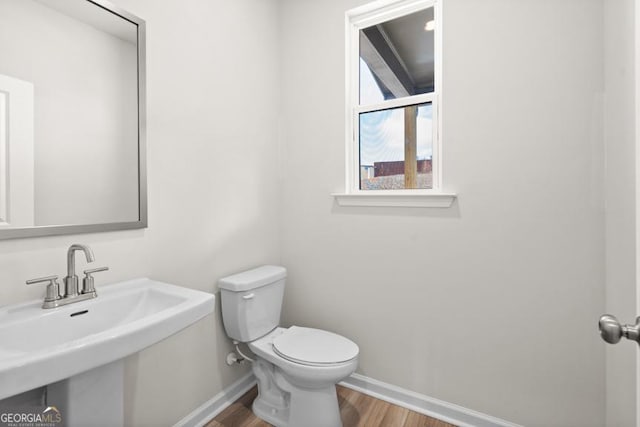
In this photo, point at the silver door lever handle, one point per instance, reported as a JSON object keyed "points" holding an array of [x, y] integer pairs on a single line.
{"points": [[612, 331]]}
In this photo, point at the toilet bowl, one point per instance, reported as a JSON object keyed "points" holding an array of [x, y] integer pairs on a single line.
{"points": [[312, 399], [297, 368]]}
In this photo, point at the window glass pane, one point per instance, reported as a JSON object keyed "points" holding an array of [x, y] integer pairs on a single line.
{"points": [[396, 148], [370, 92], [397, 58]]}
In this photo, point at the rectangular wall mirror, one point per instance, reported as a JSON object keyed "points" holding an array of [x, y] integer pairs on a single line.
{"points": [[72, 118]]}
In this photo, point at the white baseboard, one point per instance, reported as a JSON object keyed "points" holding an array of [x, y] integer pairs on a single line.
{"points": [[218, 403], [426, 405]]}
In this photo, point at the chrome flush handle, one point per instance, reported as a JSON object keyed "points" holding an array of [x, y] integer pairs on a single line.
{"points": [[612, 331]]}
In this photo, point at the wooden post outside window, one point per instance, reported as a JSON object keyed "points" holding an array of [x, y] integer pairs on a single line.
{"points": [[410, 147]]}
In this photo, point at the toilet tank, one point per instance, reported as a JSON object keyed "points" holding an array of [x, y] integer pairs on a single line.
{"points": [[252, 301]]}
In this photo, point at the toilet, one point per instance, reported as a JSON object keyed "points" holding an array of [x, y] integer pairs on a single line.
{"points": [[297, 368]]}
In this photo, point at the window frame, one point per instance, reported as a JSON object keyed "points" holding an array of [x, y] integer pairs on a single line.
{"points": [[360, 18]]}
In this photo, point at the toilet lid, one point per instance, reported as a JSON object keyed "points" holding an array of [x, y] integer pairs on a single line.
{"points": [[314, 346]]}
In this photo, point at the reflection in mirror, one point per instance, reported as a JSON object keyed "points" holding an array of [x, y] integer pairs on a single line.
{"points": [[69, 115]]}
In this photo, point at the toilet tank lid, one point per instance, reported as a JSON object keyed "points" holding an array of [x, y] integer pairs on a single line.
{"points": [[252, 279]]}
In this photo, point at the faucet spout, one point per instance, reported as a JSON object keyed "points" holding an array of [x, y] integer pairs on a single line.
{"points": [[71, 281], [71, 260]]}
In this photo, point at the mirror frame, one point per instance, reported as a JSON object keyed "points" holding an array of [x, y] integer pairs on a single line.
{"points": [[53, 230]]}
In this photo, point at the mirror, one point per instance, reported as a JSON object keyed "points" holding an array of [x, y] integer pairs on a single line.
{"points": [[72, 118]]}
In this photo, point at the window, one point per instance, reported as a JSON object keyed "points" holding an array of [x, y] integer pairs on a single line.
{"points": [[393, 85]]}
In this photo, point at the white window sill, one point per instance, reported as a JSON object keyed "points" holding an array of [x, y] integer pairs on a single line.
{"points": [[402, 200]]}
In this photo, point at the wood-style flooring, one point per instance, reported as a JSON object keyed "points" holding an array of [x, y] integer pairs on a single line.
{"points": [[356, 410]]}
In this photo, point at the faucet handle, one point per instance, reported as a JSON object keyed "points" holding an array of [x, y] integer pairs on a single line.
{"points": [[95, 270], [53, 288], [88, 281]]}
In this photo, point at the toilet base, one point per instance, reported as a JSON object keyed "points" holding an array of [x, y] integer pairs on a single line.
{"points": [[268, 412], [284, 404], [312, 408], [315, 408]]}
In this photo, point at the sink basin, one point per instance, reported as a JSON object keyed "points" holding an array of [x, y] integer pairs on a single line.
{"points": [[39, 347]]}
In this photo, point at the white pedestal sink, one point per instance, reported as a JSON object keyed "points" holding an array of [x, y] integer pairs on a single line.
{"points": [[91, 399], [78, 349]]}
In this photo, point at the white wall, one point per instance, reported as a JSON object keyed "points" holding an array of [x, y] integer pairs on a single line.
{"points": [[85, 121], [212, 191], [491, 304], [619, 136]]}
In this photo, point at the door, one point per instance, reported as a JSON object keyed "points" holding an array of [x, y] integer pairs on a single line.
{"points": [[622, 209]]}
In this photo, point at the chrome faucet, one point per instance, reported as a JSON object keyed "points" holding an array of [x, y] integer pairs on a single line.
{"points": [[53, 298], [71, 281]]}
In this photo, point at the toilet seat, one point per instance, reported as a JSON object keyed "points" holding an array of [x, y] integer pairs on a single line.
{"points": [[314, 347]]}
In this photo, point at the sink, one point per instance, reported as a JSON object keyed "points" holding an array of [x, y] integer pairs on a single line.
{"points": [[40, 347]]}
